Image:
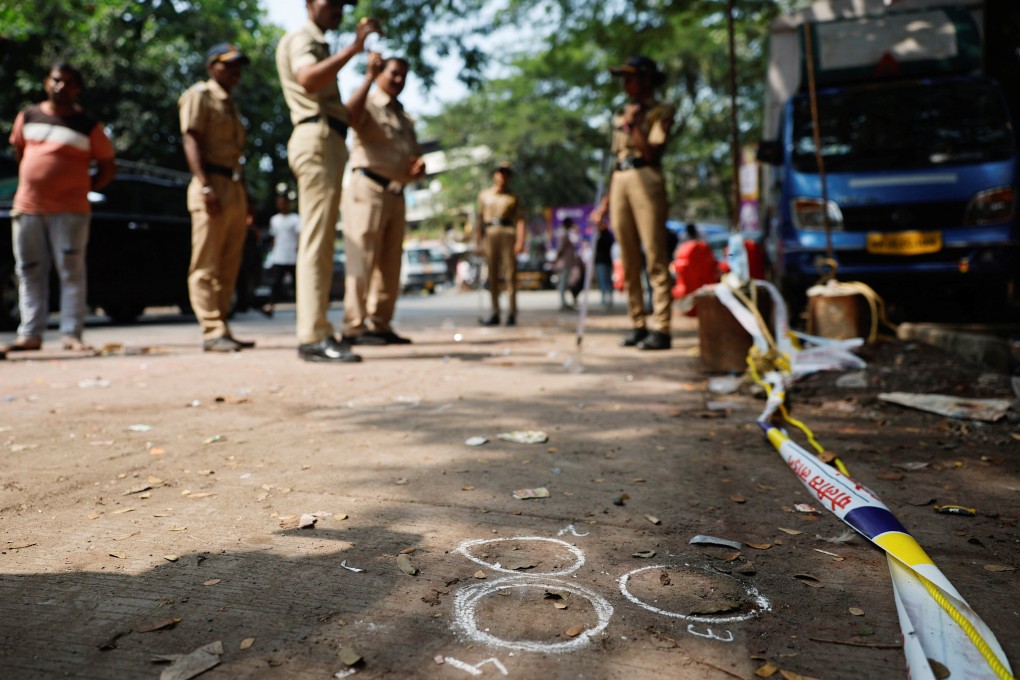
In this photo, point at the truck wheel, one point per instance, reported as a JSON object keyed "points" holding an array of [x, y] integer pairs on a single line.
{"points": [[10, 314]]}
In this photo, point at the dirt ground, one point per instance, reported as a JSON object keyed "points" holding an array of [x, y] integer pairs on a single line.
{"points": [[149, 505]]}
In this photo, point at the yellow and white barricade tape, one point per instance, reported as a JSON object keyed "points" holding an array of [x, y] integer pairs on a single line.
{"points": [[937, 623]]}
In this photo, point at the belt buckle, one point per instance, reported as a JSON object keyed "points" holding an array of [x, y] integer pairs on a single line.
{"points": [[395, 187], [627, 164], [235, 176]]}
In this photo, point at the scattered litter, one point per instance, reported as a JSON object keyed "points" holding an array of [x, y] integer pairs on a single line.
{"points": [[574, 631], [955, 510], [911, 466], [999, 567], [385, 404], [479, 574], [524, 436], [476, 441], [766, 671], [349, 656], [438, 658], [93, 382], [407, 551], [858, 380], [212, 582], [187, 666], [804, 507], [401, 482], [137, 489], [350, 568], [725, 384], [644, 554], [214, 439], [340, 516], [404, 562], [988, 410], [171, 558], [856, 611], [246, 643], [792, 532], [834, 556], [139, 428], [621, 499], [653, 519], [166, 623], [737, 498], [845, 537], [809, 580], [119, 556], [346, 673], [712, 540], [759, 546], [525, 494]]}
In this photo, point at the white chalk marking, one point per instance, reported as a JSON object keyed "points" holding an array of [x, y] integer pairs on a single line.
{"points": [[709, 634], [569, 529], [477, 668], [466, 601], [576, 552], [752, 592]]}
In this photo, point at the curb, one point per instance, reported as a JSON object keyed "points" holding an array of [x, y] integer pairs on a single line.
{"points": [[988, 345]]}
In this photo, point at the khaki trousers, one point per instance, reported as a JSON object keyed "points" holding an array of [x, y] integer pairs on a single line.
{"points": [[217, 244], [317, 155], [637, 214], [374, 226], [499, 254]]}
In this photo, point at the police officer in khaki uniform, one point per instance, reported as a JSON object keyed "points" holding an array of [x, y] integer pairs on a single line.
{"points": [[636, 200], [317, 154], [213, 145], [385, 157], [499, 233]]}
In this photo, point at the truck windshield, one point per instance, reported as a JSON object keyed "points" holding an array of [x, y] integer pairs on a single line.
{"points": [[917, 125]]}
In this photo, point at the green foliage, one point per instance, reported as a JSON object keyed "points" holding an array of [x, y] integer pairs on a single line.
{"points": [[137, 57]]}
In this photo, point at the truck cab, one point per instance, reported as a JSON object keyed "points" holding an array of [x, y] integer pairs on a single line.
{"points": [[919, 158]]}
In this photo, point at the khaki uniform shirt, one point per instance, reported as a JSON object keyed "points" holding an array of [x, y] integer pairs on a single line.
{"points": [[297, 49], [384, 141], [655, 124], [496, 207], [206, 108]]}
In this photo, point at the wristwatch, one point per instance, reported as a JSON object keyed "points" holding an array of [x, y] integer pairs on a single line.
{"points": [[207, 189]]}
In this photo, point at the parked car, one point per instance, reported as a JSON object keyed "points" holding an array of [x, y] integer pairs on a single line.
{"points": [[336, 288], [423, 267], [139, 244]]}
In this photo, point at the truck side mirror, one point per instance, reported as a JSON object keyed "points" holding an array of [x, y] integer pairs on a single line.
{"points": [[769, 152]]}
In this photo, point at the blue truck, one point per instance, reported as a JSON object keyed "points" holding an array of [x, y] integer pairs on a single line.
{"points": [[917, 149]]}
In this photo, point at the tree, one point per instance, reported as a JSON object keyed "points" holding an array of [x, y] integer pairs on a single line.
{"points": [[138, 56]]}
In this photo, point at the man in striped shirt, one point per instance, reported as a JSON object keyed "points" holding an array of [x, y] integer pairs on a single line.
{"points": [[55, 143]]}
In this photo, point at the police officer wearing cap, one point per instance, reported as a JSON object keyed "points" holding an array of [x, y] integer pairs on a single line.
{"points": [[213, 145], [385, 157], [499, 233], [636, 200], [317, 155]]}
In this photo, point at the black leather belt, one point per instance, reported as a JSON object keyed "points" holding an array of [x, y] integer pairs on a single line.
{"points": [[385, 182], [335, 123], [631, 163], [214, 169]]}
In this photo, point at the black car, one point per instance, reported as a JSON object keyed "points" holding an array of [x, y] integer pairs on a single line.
{"points": [[139, 244]]}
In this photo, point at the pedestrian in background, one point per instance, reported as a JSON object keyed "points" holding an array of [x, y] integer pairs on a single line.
{"points": [[636, 200], [567, 265], [54, 143], [284, 228], [604, 265], [385, 157], [317, 154], [213, 145], [499, 233]]}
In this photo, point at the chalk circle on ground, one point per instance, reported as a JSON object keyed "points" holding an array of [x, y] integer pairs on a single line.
{"points": [[761, 603], [466, 600], [401, 402], [464, 549]]}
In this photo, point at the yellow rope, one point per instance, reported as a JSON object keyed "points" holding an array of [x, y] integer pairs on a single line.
{"points": [[779, 361]]}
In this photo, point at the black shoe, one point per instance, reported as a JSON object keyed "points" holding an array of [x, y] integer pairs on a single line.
{"points": [[656, 340], [366, 338], [221, 344], [388, 338], [511, 320], [243, 344], [329, 350], [634, 337], [491, 321]]}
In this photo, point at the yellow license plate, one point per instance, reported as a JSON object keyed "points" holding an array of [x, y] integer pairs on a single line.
{"points": [[905, 242]]}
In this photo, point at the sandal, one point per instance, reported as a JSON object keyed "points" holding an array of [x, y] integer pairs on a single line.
{"points": [[23, 344]]}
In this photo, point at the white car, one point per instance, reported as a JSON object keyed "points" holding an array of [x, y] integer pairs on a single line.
{"points": [[423, 267]]}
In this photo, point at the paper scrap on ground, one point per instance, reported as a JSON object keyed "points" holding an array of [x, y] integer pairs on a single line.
{"points": [[525, 494], [524, 436], [187, 666], [987, 410], [712, 540], [476, 441]]}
